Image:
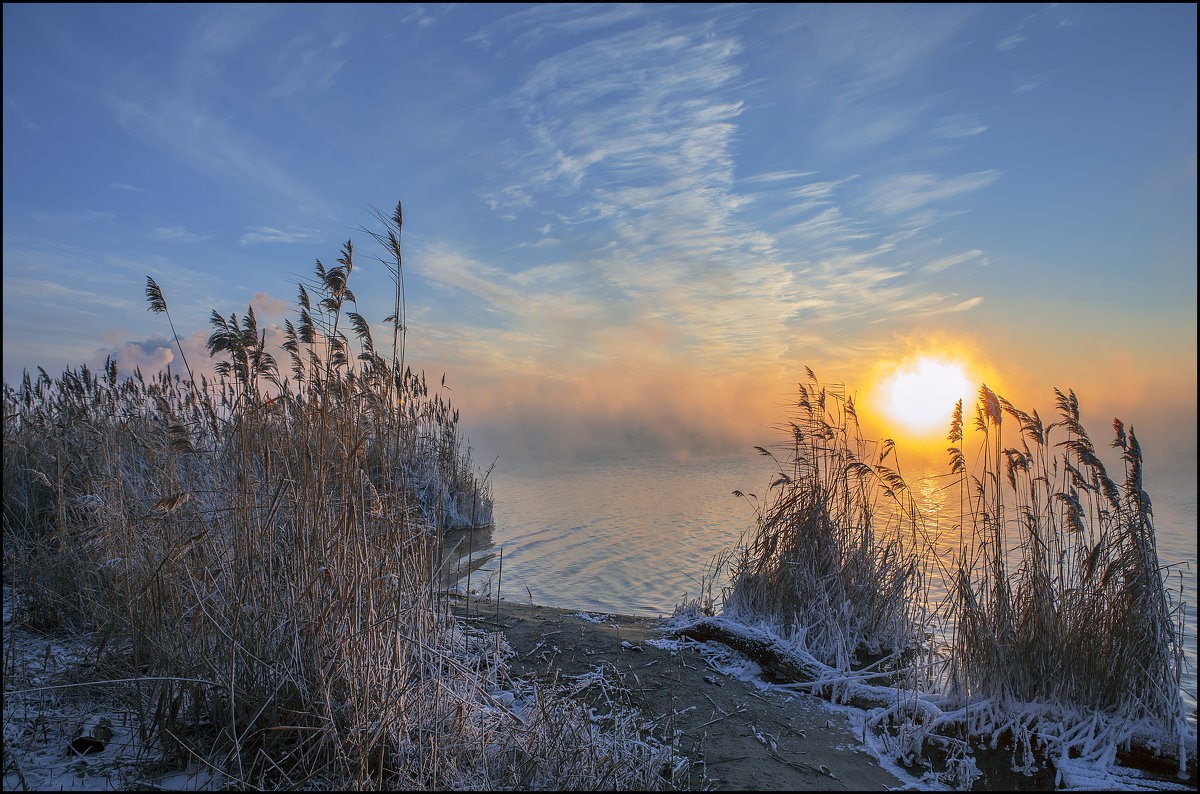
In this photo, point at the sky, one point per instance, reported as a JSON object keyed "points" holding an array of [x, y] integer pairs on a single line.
{"points": [[627, 229]]}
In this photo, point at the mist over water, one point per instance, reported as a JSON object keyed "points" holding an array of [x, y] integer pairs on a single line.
{"points": [[636, 537]]}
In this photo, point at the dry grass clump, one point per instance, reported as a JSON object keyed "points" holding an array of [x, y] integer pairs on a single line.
{"points": [[1059, 596], [832, 564], [268, 549], [1059, 633]]}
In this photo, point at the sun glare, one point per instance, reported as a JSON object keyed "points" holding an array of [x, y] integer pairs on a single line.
{"points": [[920, 395]]}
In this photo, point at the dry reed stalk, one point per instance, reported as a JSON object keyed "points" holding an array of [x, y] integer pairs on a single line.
{"points": [[270, 549], [1059, 597], [1060, 629], [832, 565]]}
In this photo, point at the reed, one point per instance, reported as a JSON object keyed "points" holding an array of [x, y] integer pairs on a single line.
{"points": [[1058, 595], [833, 562], [1057, 633], [263, 554]]}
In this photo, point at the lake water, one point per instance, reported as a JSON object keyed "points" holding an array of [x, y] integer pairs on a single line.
{"points": [[635, 537]]}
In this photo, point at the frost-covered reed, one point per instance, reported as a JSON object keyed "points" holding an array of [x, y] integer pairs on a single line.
{"points": [[1059, 607], [1058, 634], [261, 554], [833, 561]]}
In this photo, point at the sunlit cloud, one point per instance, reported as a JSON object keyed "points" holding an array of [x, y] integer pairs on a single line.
{"points": [[155, 353], [267, 307], [628, 204], [149, 355]]}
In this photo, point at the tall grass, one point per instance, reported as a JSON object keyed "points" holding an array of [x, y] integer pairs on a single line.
{"points": [[833, 562], [1059, 632], [1058, 596], [264, 553]]}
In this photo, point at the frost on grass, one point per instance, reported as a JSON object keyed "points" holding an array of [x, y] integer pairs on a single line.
{"points": [[258, 561], [593, 618], [1058, 637]]}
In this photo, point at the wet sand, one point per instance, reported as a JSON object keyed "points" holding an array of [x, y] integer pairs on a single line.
{"points": [[737, 735]]}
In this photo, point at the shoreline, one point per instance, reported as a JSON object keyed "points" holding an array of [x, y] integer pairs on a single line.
{"points": [[738, 730], [737, 734], [714, 707]]}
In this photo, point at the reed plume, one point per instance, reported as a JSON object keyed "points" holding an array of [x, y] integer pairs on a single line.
{"points": [[831, 564]]}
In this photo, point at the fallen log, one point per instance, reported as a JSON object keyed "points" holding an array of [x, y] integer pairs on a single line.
{"points": [[796, 666]]}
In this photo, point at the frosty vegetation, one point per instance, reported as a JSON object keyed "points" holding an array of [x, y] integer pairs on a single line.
{"points": [[258, 559], [1056, 636]]}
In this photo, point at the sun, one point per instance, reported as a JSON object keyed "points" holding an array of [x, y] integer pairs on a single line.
{"points": [[920, 394]]}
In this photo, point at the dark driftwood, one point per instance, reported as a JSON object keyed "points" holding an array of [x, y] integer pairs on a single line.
{"points": [[781, 662], [765, 653]]}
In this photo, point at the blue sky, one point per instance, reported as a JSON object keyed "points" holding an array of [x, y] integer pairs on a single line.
{"points": [[624, 225]]}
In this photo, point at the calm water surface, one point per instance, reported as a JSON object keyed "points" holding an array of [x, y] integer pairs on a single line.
{"points": [[635, 537]]}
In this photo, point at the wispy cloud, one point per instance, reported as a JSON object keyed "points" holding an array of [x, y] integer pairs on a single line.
{"points": [[542, 243], [65, 218], [959, 125], [418, 15], [860, 50], [1027, 84], [867, 122], [1011, 42], [1033, 20], [266, 234], [54, 293], [946, 262], [189, 131], [911, 191], [529, 26], [309, 62], [653, 158], [631, 149], [17, 110], [176, 110], [178, 234], [775, 176]]}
